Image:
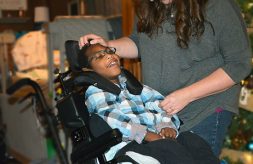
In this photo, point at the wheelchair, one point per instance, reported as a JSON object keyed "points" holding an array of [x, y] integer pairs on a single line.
{"points": [[89, 143], [91, 136]]}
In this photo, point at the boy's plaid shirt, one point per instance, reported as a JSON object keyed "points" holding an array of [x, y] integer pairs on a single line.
{"points": [[132, 114]]}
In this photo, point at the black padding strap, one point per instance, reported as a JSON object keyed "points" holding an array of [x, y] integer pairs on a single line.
{"points": [[133, 85], [92, 78]]}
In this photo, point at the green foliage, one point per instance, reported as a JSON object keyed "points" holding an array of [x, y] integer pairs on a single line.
{"points": [[251, 39], [229, 161], [240, 131], [247, 9]]}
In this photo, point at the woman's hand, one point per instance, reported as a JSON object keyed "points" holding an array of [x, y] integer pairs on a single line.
{"points": [[176, 101], [94, 40], [168, 133], [126, 48]]}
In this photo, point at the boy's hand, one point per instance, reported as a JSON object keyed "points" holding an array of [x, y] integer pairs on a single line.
{"points": [[150, 136], [168, 133]]}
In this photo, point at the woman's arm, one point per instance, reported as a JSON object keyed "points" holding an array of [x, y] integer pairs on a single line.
{"points": [[235, 51], [216, 82], [125, 47]]}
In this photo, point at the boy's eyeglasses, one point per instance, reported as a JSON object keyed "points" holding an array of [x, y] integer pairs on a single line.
{"points": [[100, 54]]}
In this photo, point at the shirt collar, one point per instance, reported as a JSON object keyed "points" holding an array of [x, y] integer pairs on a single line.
{"points": [[122, 81]]}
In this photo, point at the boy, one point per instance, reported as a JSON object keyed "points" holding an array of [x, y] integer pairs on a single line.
{"points": [[145, 127]]}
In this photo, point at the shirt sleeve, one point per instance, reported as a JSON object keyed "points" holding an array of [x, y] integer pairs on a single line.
{"points": [[105, 105], [151, 99], [169, 121], [233, 41]]}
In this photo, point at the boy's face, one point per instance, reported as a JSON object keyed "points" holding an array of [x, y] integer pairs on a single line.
{"points": [[104, 61]]}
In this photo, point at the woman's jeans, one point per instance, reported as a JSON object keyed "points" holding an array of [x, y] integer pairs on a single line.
{"points": [[214, 129]]}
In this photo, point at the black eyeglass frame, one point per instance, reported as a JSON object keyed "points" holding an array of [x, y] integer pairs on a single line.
{"points": [[107, 50]]}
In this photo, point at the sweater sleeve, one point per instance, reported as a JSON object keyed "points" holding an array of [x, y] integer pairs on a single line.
{"points": [[233, 41]]}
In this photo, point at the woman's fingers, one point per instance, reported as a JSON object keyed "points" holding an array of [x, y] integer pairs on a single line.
{"points": [[94, 40], [176, 101], [84, 39]]}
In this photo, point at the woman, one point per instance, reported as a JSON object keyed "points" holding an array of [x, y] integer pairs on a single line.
{"points": [[199, 51]]}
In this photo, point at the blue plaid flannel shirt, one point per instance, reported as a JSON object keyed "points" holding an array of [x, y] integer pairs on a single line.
{"points": [[132, 114]]}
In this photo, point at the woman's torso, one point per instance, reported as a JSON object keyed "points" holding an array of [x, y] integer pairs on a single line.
{"points": [[166, 67]]}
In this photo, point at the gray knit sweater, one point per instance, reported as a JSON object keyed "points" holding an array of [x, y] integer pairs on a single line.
{"points": [[166, 67]]}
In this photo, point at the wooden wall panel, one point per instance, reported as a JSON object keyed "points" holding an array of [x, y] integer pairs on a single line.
{"points": [[128, 16], [133, 65], [56, 7], [102, 7]]}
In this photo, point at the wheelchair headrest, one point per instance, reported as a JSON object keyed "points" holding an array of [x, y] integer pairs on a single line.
{"points": [[92, 78], [72, 51]]}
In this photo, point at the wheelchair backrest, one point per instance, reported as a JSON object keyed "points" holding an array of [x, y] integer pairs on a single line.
{"points": [[72, 110]]}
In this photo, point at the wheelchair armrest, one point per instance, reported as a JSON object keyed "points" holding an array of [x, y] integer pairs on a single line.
{"points": [[89, 150]]}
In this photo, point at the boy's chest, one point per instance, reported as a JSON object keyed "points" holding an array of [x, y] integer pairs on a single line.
{"points": [[128, 103]]}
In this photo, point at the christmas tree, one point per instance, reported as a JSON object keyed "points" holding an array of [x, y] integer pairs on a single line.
{"points": [[240, 134], [247, 9]]}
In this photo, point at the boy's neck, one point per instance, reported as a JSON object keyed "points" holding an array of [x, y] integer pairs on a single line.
{"points": [[115, 81]]}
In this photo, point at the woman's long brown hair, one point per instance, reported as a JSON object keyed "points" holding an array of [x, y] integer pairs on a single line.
{"points": [[189, 18]]}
